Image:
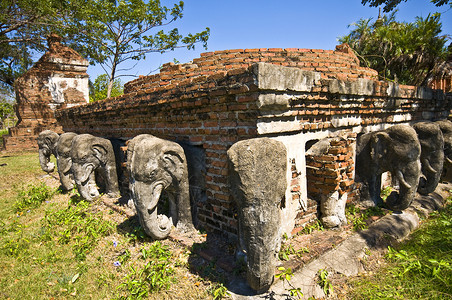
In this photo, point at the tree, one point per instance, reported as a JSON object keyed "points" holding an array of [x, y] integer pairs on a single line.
{"points": [[108, 32], [24, 26], [125, 30], [98, 89], [405, 52], [390, 5]]}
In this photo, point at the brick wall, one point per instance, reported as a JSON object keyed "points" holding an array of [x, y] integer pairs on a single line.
{"points": [[296, 96], [340, 63]]}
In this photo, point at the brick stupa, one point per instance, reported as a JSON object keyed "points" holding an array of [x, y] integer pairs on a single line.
{"points": [[57, 80]]}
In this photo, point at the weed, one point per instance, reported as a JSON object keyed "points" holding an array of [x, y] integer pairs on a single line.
{"points": [[136, 235], [32, 197], [287, 249], [155, 275], [218, 291], [16, 247], [358, 217], [308, 229], [324, 282], [124, 257], [286, 276], [386, 192]]}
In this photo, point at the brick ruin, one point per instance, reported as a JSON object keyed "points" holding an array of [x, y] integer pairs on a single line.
{"points": [[296, 96], [57, 80]]}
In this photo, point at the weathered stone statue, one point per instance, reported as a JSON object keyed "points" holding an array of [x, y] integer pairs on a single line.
{"points": [[47, 140], [64, 161], [432, 155], [258, 184], [88, 154], [50, 143], [155, 166], [446, 129], [397, 150]]}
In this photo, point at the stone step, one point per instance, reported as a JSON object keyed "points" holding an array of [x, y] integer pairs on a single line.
{"points": [[21, 143]]}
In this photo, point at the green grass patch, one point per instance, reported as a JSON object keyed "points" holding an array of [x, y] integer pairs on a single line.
{"points": [[156, 274], [420, 268], [360, 218], [75, 224], [33, 196]]}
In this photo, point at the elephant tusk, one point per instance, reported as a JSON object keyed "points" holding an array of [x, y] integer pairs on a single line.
{"points": [[428, 166], [401, 179], [87, 172], [67, 163], [448, 160], [156, 192]]}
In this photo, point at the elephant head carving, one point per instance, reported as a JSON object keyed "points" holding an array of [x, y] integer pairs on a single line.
{"points": [[397, 150], [90, 154], [64, 161], [257, 169], [47, 146], [156, 165], [432, 155], [446, 129]]}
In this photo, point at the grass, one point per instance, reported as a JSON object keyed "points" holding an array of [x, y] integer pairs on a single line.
{"points": [[420, 268], [57, 246]]}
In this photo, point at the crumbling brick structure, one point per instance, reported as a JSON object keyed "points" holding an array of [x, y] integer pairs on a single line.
{"points": [[57, 80], [296, 96]]}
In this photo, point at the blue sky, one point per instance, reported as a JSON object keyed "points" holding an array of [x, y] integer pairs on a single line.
{"points": [[240, 24]]}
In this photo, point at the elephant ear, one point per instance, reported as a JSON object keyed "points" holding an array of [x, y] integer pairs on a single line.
{"points": [[379, 146], [174, 163], [100, 152]]}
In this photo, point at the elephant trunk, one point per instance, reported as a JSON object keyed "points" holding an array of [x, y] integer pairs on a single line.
{"points": [[431, 172], [88, 189], [64, 170], [112, 189], [44, 160], [85, 180], [146, 199], [185, 221], [409, 181]]}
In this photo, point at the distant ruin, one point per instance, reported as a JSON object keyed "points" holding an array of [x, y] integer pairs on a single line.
{"points": [[57, 80]]}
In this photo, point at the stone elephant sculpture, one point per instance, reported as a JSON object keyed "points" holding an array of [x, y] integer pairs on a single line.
{"points": [[49, 143], [446, 129], [155, 166], [432, 155], [257, 175], [397, 150], [47, 146], [90, 154]]}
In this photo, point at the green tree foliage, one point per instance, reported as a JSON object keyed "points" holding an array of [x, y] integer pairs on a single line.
{"points": [[98, 89], [24, 25], [108, 32], [130, 29], [408, 53], [390, 5], [6, 110]]}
